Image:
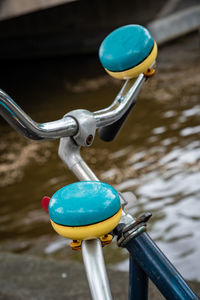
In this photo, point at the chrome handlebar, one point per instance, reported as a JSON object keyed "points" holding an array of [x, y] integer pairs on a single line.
{"points": [[122, 102], [22, 123], [68, 126]]}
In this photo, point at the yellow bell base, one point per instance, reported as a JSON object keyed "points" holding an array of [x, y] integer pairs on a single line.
{"points": [[89, 231], [137, 70]]}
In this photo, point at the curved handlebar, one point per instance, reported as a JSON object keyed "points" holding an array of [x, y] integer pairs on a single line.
{"points": [[127, 52], [122, 102], [21, 122], [67, 126]]}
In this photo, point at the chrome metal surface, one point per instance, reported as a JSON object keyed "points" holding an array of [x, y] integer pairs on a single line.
{"points": [[69, 152], [124, 99], [83, 172], [68, 126], [86, 126], [95, 269], [21, 122], [126, 219]]}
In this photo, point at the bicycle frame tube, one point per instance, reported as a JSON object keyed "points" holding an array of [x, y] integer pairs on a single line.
{"points": [[149, 259]]}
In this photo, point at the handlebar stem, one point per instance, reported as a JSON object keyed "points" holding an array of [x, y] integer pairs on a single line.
{"points": [[93, 260], [69, 152]]}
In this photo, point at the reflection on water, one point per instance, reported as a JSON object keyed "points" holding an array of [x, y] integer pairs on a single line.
{"points": [[157, 156]]}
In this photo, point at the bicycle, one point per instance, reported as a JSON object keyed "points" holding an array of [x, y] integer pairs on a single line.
{"points": [[127, 53]]}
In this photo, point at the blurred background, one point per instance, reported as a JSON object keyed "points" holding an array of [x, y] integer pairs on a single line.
{"points": [[49, 66]]}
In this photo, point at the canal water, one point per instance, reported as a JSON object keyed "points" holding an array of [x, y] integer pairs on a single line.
{"points": [[156, 156]]}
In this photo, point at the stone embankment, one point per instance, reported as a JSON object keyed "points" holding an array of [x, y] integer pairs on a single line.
{"points": [[25, 277]]}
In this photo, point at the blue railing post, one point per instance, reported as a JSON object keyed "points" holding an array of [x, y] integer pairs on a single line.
{"points": [[138, 282], [158, 268]]}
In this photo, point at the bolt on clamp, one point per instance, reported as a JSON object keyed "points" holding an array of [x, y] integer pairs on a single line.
{"points": [[150, 72]]}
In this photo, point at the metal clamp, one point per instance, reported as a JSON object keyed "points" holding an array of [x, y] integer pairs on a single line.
{"points": [[128, 232], [86, 126], [105, 240]]}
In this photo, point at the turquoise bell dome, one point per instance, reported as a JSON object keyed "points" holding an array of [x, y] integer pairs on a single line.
{"points": [[125, 48], [84, 203]]}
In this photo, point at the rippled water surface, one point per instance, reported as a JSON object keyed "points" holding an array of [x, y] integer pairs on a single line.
{"points": [[156, 156]]}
